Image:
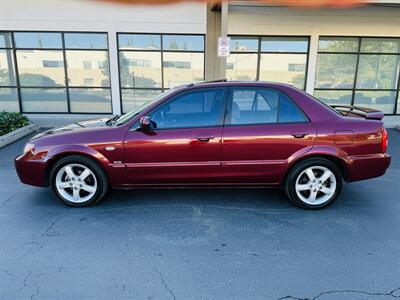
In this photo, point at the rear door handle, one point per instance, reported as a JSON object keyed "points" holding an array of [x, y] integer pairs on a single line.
{"points": [[204, 138], [299, 135]]}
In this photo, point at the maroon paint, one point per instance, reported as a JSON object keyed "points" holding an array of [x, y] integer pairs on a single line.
{"points": [[235, 155]]}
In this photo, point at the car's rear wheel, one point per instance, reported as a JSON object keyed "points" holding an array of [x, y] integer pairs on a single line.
{"points": [[313, 183], [78, 181]]}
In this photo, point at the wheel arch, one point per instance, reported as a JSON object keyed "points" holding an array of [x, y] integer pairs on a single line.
{"points": [[57, 157]]}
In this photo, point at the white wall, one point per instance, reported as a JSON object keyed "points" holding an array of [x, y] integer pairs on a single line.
{"points": [[91, 15]]}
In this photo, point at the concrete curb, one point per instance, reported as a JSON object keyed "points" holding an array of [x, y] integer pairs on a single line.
{"points": [[17, 134]]}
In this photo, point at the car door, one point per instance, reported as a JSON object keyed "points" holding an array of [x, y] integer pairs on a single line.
{"points": [[263, 130], [185, 145]]}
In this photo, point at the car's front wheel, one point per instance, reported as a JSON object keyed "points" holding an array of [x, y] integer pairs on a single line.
{"points": [[78, 181], [313, 183]]}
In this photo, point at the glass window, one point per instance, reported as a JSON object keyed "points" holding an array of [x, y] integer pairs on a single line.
{"points": [[289, 112], [378, 71], [284, 44], [134, 98], [7, 72], [5, 40], [33, 73], [183, 42], [44, 100], [254, 106], [334, 97], [244, 44], [139, 41], [90, 100], [381, 100], [241, 67], [338, 44], [175, 76], [9, 99], [287, 68], [37, 40], [191, 109], [336, 70], [84, 65], [140, 69], [85, 40], [380, 45]]}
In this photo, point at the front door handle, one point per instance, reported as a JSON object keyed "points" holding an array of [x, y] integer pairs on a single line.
{"points": [[299, 135], [204, 138]]}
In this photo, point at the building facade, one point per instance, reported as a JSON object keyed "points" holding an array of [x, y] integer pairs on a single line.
{"points": [[96, 57]]}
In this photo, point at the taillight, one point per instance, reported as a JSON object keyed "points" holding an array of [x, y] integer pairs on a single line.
{"points": [[385, 140]]}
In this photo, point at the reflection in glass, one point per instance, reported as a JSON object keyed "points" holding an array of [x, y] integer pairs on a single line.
{"points": [[336, 70], [139, 41], [183, 42], [90, 100], [334, 97], [7, 72], [244, 44], [284, 44], [377, 71], [380, 45], [41, 67], [37, 40], [133, 98], [241, 67], [175, 74], [88, 68], [338, 44], [287, 68], [5, 40], [140, 69], [381, 100], [44, 100], [86, 40], [9, 99]]}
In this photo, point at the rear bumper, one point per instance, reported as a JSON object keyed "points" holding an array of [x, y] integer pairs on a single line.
{"points": [[32, 172], [367, 166]]}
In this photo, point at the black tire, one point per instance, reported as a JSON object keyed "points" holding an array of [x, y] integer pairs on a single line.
{"points": [[298, 168], [101, 178]]}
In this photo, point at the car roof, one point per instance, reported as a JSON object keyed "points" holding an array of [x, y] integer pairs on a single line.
{"points": [[225, 82]]}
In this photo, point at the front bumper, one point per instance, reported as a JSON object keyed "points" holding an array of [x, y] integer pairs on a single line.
{"points": [[32, 172], [360, 167]]}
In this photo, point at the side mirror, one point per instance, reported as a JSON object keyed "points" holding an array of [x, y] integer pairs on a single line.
{"points": [[145, 123]]}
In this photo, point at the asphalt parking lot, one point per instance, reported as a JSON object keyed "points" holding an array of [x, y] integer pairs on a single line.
{"points": [[200, 244]]}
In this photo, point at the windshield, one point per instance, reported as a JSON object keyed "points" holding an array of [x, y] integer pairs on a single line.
{"points": [[128, 116]]}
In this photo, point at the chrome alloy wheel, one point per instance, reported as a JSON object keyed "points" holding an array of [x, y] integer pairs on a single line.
{"points": [[315, 185], [76, 183]]}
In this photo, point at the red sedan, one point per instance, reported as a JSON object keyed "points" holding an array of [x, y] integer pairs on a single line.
{"points": [[246, 134]]}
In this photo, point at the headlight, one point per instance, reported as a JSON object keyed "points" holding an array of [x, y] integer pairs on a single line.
{"points": [[29, 147]]}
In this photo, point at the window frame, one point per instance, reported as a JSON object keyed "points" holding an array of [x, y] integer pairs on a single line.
{"points": [[66, 85], [228, 113], [220, 118], [259, 52], [161, 51], [359, 53]]}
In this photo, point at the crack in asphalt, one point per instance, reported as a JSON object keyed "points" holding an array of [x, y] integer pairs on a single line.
{"points": [[3, 203], [26, 285], [165, 284], [395, 293]]}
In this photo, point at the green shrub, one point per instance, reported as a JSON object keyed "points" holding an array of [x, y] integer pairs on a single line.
{"points": [[10, 121]]}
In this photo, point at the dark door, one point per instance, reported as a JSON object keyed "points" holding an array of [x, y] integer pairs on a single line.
{"points": [[263, 130], [185, 145]]}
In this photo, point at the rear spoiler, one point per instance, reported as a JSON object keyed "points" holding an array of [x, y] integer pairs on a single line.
{"points": [[364, 112]]}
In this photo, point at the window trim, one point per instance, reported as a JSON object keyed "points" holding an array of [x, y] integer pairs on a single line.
{"points": [[228, 114], [161, 51], [66, 85], [354, 90], [220, 119]]}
